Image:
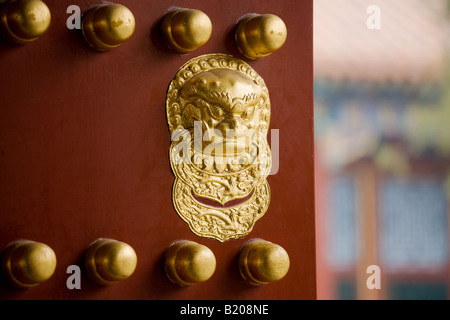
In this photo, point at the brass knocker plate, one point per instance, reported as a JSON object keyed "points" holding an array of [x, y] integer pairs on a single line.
{"points": [[218, 112]]}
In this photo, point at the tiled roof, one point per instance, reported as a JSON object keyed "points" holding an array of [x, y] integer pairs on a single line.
{"points": [[409, 47]]}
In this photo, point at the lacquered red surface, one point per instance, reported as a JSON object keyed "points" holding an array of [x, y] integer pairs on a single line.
{"points": [[84, 152]]}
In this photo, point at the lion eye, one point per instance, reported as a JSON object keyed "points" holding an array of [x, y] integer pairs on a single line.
{"points": [[248, 114], [216, 111]]}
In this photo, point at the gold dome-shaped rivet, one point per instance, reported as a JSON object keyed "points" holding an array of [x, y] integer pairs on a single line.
{"points": [[188, 263], [107, 26], [262, 262], [185, 30], [23, 21], [28, 263], [259, 35], [109, 261]]}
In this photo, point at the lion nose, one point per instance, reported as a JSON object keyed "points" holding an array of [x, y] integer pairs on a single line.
{"points": [[232, 126]]}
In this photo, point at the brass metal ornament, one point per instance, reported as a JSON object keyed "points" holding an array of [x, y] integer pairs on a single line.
{"points": [[259, 35], [185, 30], [24, 21], [107, 26], [27, 263], [262, 262], [109, 261], [187, 263], [218, 112]]}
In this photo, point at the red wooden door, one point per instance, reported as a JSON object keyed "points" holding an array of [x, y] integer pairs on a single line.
{"points": [[84, 145]]}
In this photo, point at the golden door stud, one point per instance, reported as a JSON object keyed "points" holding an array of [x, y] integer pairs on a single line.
{"points": [[109, 261], [107, 26], [185, 30], [262, 262], [259, 35], [188, 263], [28, 263], [23, 21]]}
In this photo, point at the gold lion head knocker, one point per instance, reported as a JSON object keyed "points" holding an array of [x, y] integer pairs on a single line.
{"points": [[218, 111]]}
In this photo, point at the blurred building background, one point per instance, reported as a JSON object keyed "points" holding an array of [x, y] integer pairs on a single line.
{"points": [[382, 128]]}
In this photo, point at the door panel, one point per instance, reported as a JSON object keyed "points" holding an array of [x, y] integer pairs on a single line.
{"points": [[84, 146]]}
